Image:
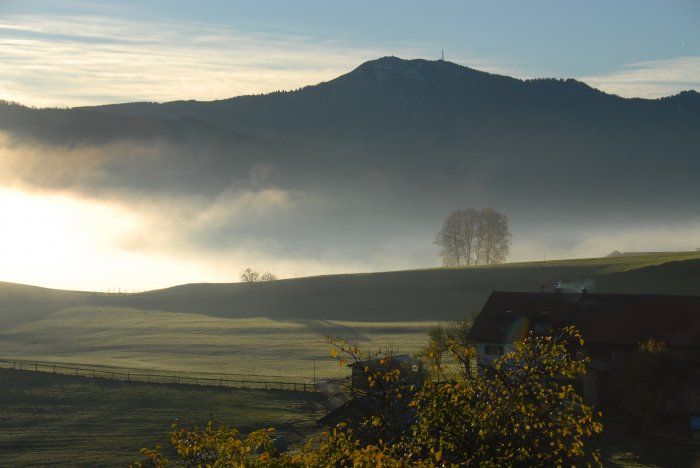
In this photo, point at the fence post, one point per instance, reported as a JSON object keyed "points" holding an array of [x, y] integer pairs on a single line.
{"points": [[128, 377]]}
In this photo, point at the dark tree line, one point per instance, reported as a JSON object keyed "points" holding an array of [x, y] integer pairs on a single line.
{"points": [[474, 237]]}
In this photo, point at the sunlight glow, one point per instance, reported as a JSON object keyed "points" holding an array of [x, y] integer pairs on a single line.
{"points": [[62, 242]]}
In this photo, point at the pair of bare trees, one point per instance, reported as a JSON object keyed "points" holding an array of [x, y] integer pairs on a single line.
{"points": [[474, 237], [251, 276]]}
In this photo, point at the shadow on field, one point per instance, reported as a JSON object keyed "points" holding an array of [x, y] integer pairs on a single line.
{"points": [[67, 420]]}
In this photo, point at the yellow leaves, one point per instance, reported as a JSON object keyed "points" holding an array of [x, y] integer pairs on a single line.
{"points": [[519, 414]]}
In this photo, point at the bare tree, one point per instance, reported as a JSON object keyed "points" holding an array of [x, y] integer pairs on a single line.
{"points": [[471, 220], [494, 236], [451, 239], [473, 237], [267, 276], [251, 276]]}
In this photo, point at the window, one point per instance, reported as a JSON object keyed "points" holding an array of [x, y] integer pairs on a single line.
{"points": [[493, 350]]}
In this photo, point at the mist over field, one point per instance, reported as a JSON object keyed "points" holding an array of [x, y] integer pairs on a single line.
{"points": [[337, 178]]}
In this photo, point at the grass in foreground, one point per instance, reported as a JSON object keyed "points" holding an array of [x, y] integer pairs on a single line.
{"points": [[620, 448], [77, 421]]}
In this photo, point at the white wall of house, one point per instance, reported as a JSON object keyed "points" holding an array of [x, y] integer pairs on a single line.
{"points": [[487, 352]]}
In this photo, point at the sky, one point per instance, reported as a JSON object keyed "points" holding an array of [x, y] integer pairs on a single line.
{"points": [[71, 53], [58, 53]]}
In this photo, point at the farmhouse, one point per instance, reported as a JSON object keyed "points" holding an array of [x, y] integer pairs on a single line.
{"points": [[612, 325], [364, 397], [410, 370]]}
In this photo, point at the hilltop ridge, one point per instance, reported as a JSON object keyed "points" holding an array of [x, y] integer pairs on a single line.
{"points": [[411, 295]]}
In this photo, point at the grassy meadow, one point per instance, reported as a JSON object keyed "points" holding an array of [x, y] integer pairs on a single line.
{"points": [[278, 328], [62, 420], [418, 295], [189, 342]]}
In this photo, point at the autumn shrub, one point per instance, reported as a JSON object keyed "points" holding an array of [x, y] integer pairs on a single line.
{"points": [[524, 412]]}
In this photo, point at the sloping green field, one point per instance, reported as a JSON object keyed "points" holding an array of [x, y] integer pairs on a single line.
{"points": [[277, 328], [436, 294], [190, 343], [431, 294]]}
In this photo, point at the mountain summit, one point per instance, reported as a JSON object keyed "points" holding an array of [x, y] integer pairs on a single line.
{"points": [[392, 96]]}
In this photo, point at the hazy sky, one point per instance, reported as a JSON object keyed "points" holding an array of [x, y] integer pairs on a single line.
{"points": [[65, 53], [68, 53]]}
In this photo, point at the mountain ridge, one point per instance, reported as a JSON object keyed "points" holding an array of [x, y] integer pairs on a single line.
{"points": [[392, 60]]}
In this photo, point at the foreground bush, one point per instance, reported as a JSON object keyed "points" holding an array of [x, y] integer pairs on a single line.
{"points": [[647, 381], [523, 413]]}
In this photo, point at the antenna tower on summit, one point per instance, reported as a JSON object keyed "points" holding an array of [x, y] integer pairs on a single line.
{"points": [[442, 54]]}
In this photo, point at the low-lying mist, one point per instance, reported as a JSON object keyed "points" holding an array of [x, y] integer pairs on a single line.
{"points": [[145, 213]]}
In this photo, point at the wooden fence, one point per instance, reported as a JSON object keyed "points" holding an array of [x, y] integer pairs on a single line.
{"points": [[161, 376]]}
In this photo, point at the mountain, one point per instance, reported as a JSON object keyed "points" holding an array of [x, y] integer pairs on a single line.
{"points": [[441, 118], [428, 117], [391, 96], [379, 155]]}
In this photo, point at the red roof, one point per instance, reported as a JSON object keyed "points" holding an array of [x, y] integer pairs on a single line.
{"points": [[601, 318]]}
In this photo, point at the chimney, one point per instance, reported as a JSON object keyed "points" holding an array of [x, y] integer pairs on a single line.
{"points": [[584, 293]]}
